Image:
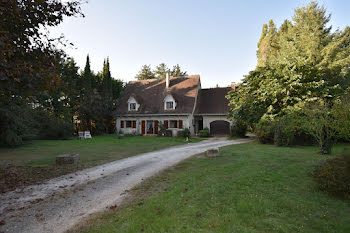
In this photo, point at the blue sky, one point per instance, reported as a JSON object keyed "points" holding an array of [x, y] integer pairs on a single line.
{"points": [[214, 38]]}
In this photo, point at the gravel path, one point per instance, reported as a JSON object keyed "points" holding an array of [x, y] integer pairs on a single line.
{"points": [[58, 204]]}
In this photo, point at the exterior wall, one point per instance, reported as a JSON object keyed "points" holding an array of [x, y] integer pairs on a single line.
{"points": [[186, 121], [208, 119]]}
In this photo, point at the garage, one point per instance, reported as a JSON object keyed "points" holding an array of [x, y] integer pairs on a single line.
{"points": [[219, 127]]}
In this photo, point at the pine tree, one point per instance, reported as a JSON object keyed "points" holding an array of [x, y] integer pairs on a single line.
{"points": [[267, 44], [176, 71], [87, 76], [161, 70], [145, 73]]}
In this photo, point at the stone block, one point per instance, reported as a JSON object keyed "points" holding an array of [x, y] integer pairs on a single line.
{"points": [[213, 153], [67, 159]]}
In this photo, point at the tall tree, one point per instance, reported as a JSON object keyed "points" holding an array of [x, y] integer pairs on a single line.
{"points": [[267, 44], [176, 71], [145, 73], [88, 79], [309, 63], [29, 57], [161, 70]]}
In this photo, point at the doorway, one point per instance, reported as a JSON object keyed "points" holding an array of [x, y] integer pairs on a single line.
{"points": [[150, 127]]}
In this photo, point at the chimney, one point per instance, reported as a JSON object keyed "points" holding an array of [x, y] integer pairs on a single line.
{"points": [[233, 86], [167, 80]]}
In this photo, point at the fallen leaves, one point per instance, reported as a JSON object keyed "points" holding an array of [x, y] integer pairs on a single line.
{"points": [[112, 207], [2, 222]]}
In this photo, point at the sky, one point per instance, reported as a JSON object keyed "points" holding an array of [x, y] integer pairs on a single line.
{"points": [[216, 39]]}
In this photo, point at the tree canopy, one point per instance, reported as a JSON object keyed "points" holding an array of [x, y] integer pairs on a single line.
{"points": [[159, 72], [303, 61]]}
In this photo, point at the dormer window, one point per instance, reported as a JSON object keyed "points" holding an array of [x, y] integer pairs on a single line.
{"points": [[132, 104], [169, 102], [169, 105]]}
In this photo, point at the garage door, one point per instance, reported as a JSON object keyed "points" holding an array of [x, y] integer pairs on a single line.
{"points": [[219, 128]]}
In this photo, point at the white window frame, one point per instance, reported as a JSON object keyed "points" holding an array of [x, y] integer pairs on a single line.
{"points": [[172, 105], [177, 124], [126, 124], [132, 104]]}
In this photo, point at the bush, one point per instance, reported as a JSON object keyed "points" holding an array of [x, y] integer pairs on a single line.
{"points": [[265, 131], [333, 176], [163, 132], [16, 125], [284, 131], [204, 133], [238, 129], [184, 133]]}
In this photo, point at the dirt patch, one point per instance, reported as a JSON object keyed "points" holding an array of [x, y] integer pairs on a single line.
{"points": [[12, 177]]}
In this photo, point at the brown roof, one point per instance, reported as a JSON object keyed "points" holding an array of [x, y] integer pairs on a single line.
{"points": [[213, 101], [150, 95]]}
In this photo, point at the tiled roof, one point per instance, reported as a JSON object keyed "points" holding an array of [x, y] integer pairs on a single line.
{"points": [[150, 95], [213, 101]]}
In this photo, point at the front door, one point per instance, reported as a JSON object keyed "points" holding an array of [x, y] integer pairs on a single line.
{"points": [[143, 127], [150, 127]]}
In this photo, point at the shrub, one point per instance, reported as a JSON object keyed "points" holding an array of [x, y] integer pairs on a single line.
{"points": [[238, 129], [204, 133], [283, 131], [265, 131], [56, 129], [184, 133], [16, 125], [163, 132], [333, 176]]}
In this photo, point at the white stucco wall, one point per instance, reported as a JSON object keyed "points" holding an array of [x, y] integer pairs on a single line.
{"points": [[169, 98], [133, 100], [186, 123], [208, 119]]}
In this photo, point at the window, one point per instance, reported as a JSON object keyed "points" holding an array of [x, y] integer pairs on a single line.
{"points": [[132, 106], [128, 124], [169, 105], [173, 124]]}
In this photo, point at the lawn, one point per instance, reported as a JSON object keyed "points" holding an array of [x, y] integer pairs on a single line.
{"points": [[35, 162], [249, 188]]}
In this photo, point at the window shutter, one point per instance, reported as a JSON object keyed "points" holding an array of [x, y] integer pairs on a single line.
{"points": [[180, 124], [156, 127], [134, 124], [121, 124], [166, 124]]}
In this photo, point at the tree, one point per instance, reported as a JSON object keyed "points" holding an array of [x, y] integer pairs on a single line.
{"points": [[176, 71], [267, 44], [161, 70], [302, 62], [321, 124], [145, 73], [29, 58]]}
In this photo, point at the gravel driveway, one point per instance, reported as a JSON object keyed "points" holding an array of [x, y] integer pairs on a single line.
{"points": [[60, 203]]}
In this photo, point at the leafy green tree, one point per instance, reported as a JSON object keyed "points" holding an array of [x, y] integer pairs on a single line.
{"points": [[319, 122], [303, 62], [267, 44], [30, 65], [145, 73], [29, 58]]}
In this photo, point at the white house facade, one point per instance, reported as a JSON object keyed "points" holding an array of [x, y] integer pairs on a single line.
{"points": [[175, 103]]}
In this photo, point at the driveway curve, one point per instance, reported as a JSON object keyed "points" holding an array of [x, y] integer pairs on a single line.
{"points": [[58, 204]]}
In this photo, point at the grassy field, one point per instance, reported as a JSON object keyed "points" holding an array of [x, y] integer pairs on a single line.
{"points": [[249, 188], [36, 161]]}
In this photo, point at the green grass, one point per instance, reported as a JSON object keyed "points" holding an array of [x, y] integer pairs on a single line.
{"points": [[249, 188], [36, 161]]}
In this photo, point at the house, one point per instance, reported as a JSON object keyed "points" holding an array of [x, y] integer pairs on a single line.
{"points": [[174, 102]]}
